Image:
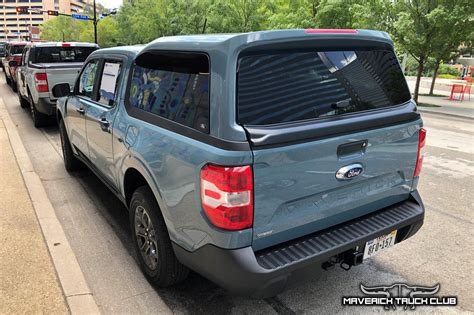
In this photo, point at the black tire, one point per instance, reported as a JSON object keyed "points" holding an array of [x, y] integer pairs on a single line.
{"points": [[168, 270], [13, 86], [6, 78], [71, 163], [39, 119], [23, 102]]}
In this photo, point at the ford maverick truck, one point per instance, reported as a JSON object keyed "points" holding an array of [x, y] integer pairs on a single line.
{"points": [[255, 159]]}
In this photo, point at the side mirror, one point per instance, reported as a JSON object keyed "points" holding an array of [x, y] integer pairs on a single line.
{"points": [[62, 89], [13, 63]]}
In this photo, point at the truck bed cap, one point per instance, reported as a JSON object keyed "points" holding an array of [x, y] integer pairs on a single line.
{"points": [[204, 42]]}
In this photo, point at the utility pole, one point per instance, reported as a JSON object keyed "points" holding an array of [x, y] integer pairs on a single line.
{"points": [[95, 23]]}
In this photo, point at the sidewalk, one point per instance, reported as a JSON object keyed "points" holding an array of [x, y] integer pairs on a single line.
{"points": [[39, 272], [463, 109], [28, 281]]}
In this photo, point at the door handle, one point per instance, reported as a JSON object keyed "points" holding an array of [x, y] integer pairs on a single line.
{"points": [[80, 110], [104, 124]]}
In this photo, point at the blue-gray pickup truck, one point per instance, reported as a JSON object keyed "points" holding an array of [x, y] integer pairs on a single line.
{"points": [[256, 159]]}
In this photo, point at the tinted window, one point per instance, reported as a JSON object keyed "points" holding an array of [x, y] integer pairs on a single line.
{"points": [[61, 54], [16, 49], [288, 87], [87, 79], [173, 88], [109, 82]]}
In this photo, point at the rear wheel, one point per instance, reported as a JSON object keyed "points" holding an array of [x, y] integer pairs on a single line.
{"points": [[71, 163], [151, 240], [23, 102], [13, 86], [6, 78], [39, 119]]}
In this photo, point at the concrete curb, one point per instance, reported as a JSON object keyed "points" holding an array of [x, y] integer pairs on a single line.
{"points": [[78, 295], [443, 113]]}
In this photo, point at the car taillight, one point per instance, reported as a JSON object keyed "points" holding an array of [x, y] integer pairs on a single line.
{"points": [[17, 59], [419, 159], [227, 196], [41, 82]]}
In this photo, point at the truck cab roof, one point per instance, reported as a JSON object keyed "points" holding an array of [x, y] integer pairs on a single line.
{"points": [[130, 51]]}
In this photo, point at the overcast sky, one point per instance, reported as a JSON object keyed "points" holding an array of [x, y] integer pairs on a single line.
{"points": [[110, 3]]}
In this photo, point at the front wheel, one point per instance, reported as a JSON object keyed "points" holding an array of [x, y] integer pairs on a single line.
{"points": [[151, 240]]}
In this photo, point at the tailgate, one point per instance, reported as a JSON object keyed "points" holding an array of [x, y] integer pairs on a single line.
{"points": [[297, 192], [333, 131], [62, 73]]}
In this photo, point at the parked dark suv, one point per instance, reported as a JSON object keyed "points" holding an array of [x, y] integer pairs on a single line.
{"points": [[255, 159]]}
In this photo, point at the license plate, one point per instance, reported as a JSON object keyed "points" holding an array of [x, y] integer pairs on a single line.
{"points": [[379, 244]]}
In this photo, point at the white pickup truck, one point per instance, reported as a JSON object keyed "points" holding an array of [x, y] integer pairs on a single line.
{"points": [[43, 66]]}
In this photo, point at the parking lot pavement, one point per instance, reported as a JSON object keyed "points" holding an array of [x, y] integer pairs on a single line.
{"points": [[96, 225]]}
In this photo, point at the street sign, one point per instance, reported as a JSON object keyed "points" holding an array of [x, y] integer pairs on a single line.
{"points": [[80, 17]]}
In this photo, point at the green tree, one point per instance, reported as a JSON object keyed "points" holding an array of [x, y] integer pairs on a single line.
{"points": [[107, 32], [453, 28], [372, 14], [231, 16], [287, 14], [420, 29], [61, 28]]}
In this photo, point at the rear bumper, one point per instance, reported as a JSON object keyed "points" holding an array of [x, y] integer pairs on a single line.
{"points": [[46, 106], [268, 272]]}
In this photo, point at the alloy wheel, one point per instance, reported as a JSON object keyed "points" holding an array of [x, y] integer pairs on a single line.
{"points": [[146, 237]]}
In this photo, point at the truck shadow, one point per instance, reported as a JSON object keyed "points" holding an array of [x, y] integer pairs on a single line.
{"points": [[198, 295], [195, 295]]}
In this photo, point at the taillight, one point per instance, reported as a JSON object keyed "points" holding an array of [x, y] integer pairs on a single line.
{"points": [[419, 159], [41, 82], [17, 59], [227, 196]]}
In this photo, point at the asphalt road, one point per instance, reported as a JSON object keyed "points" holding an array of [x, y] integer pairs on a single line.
{"points": [[96, 225]]}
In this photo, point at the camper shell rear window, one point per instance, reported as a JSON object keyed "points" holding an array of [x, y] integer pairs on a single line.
{"points": [[291, 86]]}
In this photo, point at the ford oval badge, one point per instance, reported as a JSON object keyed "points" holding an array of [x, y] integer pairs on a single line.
{"points": [[349, 171]]}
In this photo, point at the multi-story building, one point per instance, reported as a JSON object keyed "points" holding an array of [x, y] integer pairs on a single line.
{"points": [[17, 26]]}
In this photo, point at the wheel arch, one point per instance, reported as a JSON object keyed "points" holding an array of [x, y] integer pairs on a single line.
{"points": [[132, 180], [136, 175]]}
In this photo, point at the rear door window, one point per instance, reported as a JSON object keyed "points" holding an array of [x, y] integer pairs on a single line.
{"points": [[174, 87], [295, 86], [109, 82], [62, 54]]}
